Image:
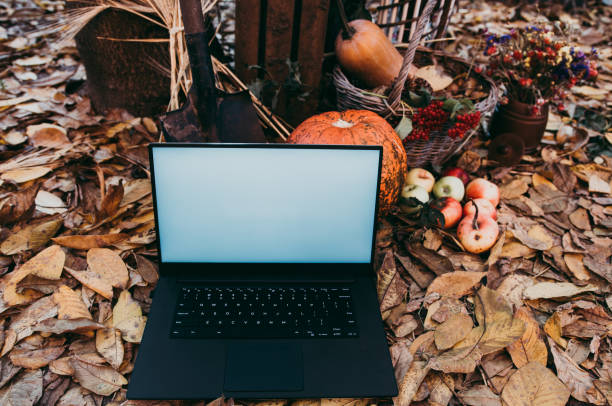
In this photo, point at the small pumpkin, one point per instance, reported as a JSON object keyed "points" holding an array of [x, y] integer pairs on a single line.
{"points": [[360, 127], [364, 51]]}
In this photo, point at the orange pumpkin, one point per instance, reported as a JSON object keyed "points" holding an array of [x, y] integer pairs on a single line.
{"points": [[364, 51], [360, 127]]}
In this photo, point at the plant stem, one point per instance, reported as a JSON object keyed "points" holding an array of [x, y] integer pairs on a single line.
{"points": [[347, 31], [475, 223]]}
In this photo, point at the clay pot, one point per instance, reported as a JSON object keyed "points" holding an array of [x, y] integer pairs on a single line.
{"points": [[516, 118]]}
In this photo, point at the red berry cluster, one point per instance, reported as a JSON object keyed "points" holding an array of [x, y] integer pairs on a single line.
{"points": [[427, 119], [464, 123]]}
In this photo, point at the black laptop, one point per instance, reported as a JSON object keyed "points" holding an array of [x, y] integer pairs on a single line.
{"points": [[267, 288]]}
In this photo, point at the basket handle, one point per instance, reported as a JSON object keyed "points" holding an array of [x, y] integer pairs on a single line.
{"points": [[395, 95]]}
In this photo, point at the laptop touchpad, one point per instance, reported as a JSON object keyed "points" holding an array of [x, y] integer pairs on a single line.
{"points": [[264, 367]]}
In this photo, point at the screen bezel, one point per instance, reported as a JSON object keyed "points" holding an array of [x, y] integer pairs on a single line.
{"points": [[214, 267]]}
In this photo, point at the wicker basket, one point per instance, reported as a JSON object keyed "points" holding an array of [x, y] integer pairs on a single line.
{"points": [[439, 147]]}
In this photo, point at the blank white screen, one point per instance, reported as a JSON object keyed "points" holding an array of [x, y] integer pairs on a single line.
{"points": [[265, 204]]}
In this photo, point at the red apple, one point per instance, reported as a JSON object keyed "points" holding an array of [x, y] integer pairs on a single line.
{"points": [[450, 209], [459, 173], [482, 189], [477, 234], [485, 208]]}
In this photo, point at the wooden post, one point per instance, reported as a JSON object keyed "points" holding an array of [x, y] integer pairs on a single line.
{"points": [[271, 34]]}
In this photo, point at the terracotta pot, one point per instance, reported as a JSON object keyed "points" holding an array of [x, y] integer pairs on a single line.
{"points": [[516, 118]]}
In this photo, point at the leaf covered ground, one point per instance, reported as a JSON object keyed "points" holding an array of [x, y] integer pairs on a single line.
{"points": [[527, 324]]}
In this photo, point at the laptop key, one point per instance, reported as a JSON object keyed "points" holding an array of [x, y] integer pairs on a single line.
{"points": [[275, 312]]}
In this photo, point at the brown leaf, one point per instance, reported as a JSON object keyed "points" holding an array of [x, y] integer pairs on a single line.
{"points": [[61, 366], [453, 330], [56, 326], [147, 269], [409, 384], [110, 346], [23, 175], [598, 185], [85, 242], [135, 190], [431, 259], [128, 318], [479, 395], [22, 325], [548, 290], [530, 347], [55, 391], [441, 310], [497, 329], [110, 203], [576, 266], [77, 396], [422, 278], [552, 327], [401, 358], [107, 263], [577, 380], [47, 135], [539, 180], [513, 189], [25, 390], [535, 237], [512, 288], [534, 384], [7, 371], [34, 359], [598, 264], [30, 237], [93, 281], [435, 75], [70, 305], [455, 284], [580, 219], [18, 205], [47, 264], [391, 288], [98, 379]]}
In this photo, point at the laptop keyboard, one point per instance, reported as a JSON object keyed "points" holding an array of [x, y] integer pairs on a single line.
{"points": [[260, 312]]}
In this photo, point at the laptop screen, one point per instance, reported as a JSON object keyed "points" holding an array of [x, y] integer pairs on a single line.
{"points": [[265, 204]]}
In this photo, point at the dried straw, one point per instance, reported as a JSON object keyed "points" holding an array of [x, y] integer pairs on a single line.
{"points": [[168, 16]]}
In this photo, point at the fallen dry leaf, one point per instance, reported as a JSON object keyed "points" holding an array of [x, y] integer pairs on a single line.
{"points": [[128, 318], [576, 266], [34, 359], [93, 281], [552, 327], [530, 347], [69, 304], [47, 264], [580, 219], [598, 185], [455, 284], [435, 75], [576, 379], [409, 384], [534, 384], [25, 390], [453, 330], [56, 326], [85, 242], [25, 174], [101, 380], [47, 135], [391, 288], [110, 346], [107, 263], [22, 325], [31, 237], [548, 290], [513, 189], [479, 395], [18, 205]]}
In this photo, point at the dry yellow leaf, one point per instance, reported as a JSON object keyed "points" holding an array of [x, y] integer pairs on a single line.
{"points": [[25, 174], [539, 233], [99, 379], [576, 266], [30, 237], [453, 330], [128, 318], [93, 281], [455, 284], [552, 327], [107, 263], [409, 384], [69, 304], [515, 249], [47, 264], [530, 347], [534, 384], [110, 346], [539, 180]]}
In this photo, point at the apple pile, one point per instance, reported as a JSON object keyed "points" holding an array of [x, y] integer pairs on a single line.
{"points": [[476, 221]]}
